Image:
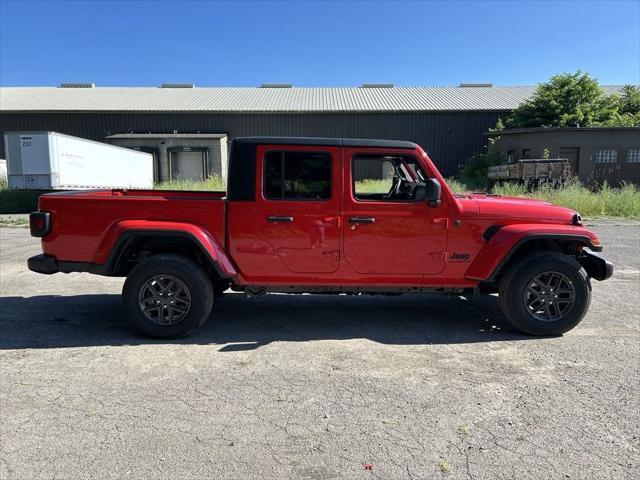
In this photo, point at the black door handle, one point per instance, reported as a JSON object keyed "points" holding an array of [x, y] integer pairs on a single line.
{"points": [[355, 220], [276, 219]]}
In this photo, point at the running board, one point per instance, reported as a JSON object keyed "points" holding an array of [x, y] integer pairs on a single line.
{"points": [[256, 291]]}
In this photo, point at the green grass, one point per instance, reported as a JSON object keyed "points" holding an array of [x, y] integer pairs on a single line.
{"points": [[463, 430], [444, 466], [13, 222], [457, 186], [603, 202], [213, 184], [370, 185]]}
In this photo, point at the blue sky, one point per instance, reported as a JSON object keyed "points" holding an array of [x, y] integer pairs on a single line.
{"points": [[316, 43]]}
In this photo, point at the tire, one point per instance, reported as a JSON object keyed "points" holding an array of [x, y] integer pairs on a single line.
{"points": [[530, 302], [180, 287]]}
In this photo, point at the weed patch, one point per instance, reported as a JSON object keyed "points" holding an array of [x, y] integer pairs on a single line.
{"points": [[604, 201], [212, 184]]}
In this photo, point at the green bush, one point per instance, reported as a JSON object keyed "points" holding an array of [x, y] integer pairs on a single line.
{"points": [[475, 171]]}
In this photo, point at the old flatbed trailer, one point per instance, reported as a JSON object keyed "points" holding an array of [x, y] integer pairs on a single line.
{"points": [[532, 172]]}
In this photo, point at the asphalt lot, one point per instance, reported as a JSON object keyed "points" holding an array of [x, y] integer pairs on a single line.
{"points": [[315, 387]]}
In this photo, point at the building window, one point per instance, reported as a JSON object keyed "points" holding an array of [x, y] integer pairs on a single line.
{"points": [[297, 175], [511, 156], [607, 156], [633, 155], [526, 153]]}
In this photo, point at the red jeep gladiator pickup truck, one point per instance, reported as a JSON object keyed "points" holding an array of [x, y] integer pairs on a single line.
{"points": [[318, 215]]}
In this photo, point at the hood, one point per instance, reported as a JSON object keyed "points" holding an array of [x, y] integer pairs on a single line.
{"points": [[517, 207]]}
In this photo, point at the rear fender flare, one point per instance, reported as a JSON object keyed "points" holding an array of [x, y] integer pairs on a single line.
{"points": [[507, 240], [122, 233]]}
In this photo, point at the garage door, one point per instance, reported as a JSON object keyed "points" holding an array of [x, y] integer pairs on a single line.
{"points": [[188, 164]]}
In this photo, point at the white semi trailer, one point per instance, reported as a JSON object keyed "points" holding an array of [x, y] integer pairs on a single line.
{"points": [[50, 160]]}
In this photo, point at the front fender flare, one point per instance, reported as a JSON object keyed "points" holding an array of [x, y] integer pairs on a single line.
{"points": [[504, 243], [120, 233]]}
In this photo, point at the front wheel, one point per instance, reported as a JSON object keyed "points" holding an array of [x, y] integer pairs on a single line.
{"points": [[546, 293], [167, 296]]}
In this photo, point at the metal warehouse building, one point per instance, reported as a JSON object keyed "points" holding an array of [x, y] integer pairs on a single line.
{"points": [[186, 128]]}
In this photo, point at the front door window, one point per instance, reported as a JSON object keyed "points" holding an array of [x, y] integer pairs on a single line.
{"points": [[386, 178]]}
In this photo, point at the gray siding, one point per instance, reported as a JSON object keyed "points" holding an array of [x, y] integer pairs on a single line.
{"points": [[449, 137]]}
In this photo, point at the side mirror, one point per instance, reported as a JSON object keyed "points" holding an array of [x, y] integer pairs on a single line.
{"points": [[432, 192]]}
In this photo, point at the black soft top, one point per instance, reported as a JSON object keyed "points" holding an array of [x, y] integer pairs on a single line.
{"points": [[331, 142]]}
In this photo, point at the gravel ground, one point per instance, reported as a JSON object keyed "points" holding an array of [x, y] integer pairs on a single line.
{"points": [[315, 387]]}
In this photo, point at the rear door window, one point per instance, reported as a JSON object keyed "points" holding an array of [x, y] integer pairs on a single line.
{"points": [[297, 175]]}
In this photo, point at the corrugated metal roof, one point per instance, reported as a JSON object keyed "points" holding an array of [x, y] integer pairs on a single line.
{"points": [[249, 99]]}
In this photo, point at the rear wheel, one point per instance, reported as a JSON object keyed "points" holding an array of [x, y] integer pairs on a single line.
{"points": [[167, 296], [547, 293]]}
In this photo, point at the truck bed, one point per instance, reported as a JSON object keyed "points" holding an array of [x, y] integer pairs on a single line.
{"points": [[82, 219]]}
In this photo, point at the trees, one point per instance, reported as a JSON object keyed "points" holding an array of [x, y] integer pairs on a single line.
{"points": [[630, 100], [571, 100], [628, 109], [566, 100]]}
